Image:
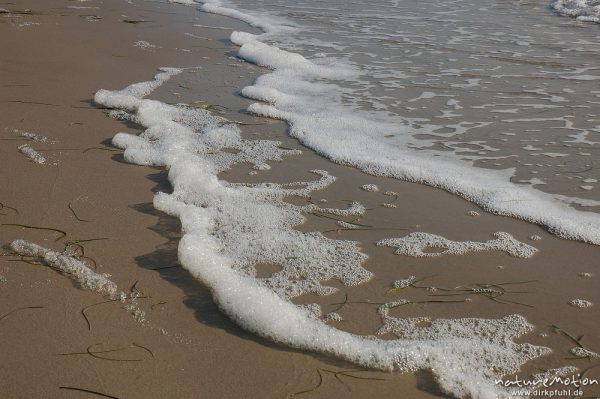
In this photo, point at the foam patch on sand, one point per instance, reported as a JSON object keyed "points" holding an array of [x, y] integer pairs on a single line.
{"points": [[580, 303], [487, 346], [584, 353], [185, 2], [229, 228], [405, 282], [32, 154], [370, 187], [415, 244], [583, 10], [269, 24]]}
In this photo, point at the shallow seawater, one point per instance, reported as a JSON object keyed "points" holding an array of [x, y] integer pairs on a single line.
{"points": [[501, 85]]}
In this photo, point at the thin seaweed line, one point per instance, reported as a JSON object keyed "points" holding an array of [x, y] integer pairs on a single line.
{"points": [[89, 391], [94, 263], [412, 284], [341, 305], [566, 334], [408, 302], [62, 233], [72, 242], [32, 102], [77, 243], [368, 229], [311, 389], [19, 309], [491, 291], [165, 267], [75, 214], [102, 148], [86, 353], [90, 306], [95, 353]]}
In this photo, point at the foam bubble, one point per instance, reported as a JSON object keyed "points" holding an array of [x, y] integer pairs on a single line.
{"points": [[144, 44], [582, 352], [346, 225], [76, 269], [184, 2], [580, 303], [332, 317], [370, 187], [32, 154], [32, 136], [484, 347], [414, 244], [403, 283]]}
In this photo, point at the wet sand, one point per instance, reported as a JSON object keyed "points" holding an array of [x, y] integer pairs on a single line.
{"points": [[187, 349]]}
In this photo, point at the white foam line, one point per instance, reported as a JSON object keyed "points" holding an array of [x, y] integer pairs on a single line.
{"points": [[415, 244]]}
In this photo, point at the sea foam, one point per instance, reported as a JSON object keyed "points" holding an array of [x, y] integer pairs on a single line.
{"points": [[71, 266], [415, 244], [78, 271], [229, 228]]}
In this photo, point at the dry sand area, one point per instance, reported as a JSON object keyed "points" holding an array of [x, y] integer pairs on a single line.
{"points": [[62, 341]]}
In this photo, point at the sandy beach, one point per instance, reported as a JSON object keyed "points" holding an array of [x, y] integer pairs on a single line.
{"points": [[63, 341]]}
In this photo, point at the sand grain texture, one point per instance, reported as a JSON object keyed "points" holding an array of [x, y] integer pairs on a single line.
{"points": [[49, 70]]}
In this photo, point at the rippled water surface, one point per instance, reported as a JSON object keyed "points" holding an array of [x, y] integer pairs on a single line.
{"points": [[501, 84]]}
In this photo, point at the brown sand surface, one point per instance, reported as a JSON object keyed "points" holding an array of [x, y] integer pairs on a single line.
{"points": [[53, 59]]}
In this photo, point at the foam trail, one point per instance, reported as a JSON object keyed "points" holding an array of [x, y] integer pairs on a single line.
{"points": [[228, 228], [86, 277], [295, 92], [415, 244]]}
